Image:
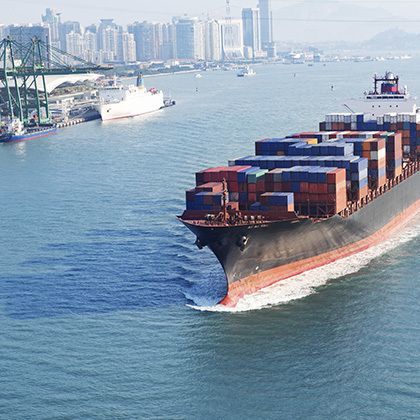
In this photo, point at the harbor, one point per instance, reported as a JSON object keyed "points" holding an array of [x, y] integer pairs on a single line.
{"points": [[93, 260], [41, 95]]}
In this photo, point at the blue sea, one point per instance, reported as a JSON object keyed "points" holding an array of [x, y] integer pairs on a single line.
{"points": [[107, 309]]}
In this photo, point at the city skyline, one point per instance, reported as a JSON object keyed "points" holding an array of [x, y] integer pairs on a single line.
{"points": [[183, 38], [300, 21]]}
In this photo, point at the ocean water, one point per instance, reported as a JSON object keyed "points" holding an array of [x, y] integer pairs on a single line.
{"points": [[107, 309]]}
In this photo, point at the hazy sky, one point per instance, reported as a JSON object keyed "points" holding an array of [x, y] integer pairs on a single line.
{"points": [[126, 11]]}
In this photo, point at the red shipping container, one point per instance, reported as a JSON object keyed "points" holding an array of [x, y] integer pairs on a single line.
{"points": [[252, 197], [304, 187], [322, 189], [278, 187], [260, 186], [313, 188], [210, 187], [233, 186]]}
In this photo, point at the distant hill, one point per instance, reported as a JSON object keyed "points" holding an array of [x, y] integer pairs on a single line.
{"points": [[308, 31], [394, 40]]}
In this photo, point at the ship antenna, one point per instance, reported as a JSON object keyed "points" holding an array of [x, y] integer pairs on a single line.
{"points": [[224, 200]]}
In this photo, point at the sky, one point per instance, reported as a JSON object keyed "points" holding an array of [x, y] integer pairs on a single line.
{"points": [[127, 11]]}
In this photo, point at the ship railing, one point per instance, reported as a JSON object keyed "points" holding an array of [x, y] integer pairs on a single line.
{"points": [[410, 169]]}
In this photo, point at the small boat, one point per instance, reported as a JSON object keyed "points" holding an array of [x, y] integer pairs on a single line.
{"points": [[198, 76], [15, 131], [246, 72]]}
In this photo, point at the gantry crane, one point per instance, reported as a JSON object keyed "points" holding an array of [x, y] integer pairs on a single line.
{"points": [[23, 69]]}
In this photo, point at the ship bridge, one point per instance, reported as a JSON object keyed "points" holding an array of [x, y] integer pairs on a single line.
{"points": [[387, 97]]}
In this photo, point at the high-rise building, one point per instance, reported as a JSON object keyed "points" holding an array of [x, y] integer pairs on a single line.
{"points": [[75, 44], [3, 31], [24, 35], [108, 37], [251, 30], [145, 38], [232, 39], [90, 42], [213, 41], [189, 39], [126, 48], [266, 18], [64, 29], [168, 41], [52, 19]]}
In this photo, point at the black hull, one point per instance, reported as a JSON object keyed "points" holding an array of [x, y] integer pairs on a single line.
{"points": [[278, 244]]}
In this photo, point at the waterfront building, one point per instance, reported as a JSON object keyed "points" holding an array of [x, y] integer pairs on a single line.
{"points": [[213, 41], [251, 31], [189, 39], [232, 39], [168, 47]]}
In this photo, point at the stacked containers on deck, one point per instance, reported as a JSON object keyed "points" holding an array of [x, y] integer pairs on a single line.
{"points": [[394, 154], [322, 149], [317, 191], [356, 167], [393, 146], [403, 123], [374, 150], [208, 194], [255, 186], [279, 202], [341, 122], [279, 146]]}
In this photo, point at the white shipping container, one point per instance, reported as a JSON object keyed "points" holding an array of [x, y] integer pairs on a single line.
{"points": [[378, 154]]}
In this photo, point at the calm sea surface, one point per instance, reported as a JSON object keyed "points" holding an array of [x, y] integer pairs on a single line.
{"points": [[99, 282]]}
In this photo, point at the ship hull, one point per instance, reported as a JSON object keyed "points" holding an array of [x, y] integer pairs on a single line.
{"points": [[278, 250], [131, 107], [29, 136]]}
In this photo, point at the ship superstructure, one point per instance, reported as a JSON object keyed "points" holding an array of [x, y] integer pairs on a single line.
{"points": [[386, 97]]}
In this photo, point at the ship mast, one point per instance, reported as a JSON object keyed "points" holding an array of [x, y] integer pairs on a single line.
{"points": [[224, 200]]}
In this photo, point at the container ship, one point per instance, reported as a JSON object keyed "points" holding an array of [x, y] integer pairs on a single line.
{"points": [[121, 101], [311, 198]]}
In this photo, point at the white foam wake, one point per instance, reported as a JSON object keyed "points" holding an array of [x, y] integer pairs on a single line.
{"points": [[305, 284]]}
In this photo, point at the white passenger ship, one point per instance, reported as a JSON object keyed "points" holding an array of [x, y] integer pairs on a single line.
{"points": [[121, 101]]}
